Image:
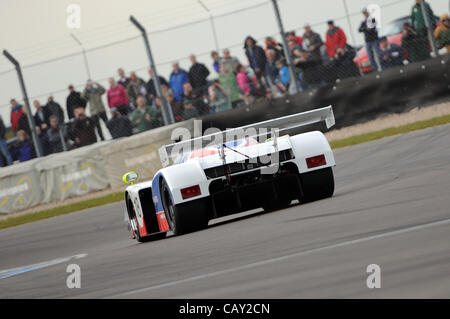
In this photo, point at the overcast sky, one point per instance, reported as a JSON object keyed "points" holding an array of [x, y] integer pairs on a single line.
{"points": [[36, 31]]}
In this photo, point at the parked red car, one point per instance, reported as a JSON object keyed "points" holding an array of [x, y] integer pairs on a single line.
{"points": [[393, 33]]}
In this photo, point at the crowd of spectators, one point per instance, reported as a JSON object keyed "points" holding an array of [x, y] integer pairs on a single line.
{"points": [[134, 105]]}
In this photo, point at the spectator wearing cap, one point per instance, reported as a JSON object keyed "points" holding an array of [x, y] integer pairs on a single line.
{"points": [[16, 113], [369, 28], [150, 86], [190, 110], [144, 116], [335, 38], [442, 32], [177, 79], [117, 97], [4, 146], [55, 109], [135, 87], [391, 54], [312, 42], [123, 80], [83, 128], [73, 101], [231, 62], [93, 94], [198, 74], [119, 125], [228, 80]]}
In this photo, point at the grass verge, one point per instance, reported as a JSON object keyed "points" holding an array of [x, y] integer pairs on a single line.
{"points": [[358, 139], [115, 197], [61, 210]]}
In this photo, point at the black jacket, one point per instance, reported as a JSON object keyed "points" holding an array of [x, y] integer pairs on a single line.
{"points": [[370, 34], [197, 75], [259, 56], [56, 110], [22, 124], [46, 114], [74, 99], [120, 127], [2, 129], [150, 87]]}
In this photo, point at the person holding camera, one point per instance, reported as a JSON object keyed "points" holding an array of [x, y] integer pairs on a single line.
{"points": [[93, 95]]}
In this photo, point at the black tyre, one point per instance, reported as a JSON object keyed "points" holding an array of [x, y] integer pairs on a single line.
{"points": [[144, 239], [317, 185], [184, 218]]}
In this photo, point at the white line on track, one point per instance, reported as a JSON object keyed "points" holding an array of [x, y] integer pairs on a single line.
{"points": [[20, 270], [286, 257]]}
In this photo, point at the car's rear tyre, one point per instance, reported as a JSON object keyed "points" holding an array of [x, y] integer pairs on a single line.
{"points": [[317, 185], [184, 218]]}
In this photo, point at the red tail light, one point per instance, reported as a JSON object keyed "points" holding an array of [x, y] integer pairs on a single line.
{"points": [[190, 191], [315, 161]]}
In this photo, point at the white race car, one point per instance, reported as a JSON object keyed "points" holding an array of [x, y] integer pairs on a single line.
{"points": [[228, 172]]}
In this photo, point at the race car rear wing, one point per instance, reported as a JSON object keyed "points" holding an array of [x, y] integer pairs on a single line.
{"points": [[170, 151]]}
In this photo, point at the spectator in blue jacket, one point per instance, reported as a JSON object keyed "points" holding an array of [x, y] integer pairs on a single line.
{"points": [[391, 54], [23, 149], [284, 78], [177, 79]]}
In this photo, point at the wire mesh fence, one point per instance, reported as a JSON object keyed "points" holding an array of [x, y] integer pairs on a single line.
{"points": [[239, 75]]}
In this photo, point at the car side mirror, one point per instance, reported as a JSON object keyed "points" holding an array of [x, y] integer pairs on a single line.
{"points": [[130, 177]]}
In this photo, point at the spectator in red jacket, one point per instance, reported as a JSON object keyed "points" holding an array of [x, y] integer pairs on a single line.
{"points": [[117, 97], [16, 113], [335, 38]]}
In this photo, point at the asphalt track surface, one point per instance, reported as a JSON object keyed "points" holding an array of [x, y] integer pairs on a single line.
{"points": [[391, 208]]}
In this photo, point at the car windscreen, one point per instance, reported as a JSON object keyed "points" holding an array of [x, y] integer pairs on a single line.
{"points": [[394, 28]]}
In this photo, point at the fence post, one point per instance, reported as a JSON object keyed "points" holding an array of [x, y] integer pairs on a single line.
{"points": [[429, 30], [285, 47], [213, 26], [166, 110], [83, 51], [36, 142]]}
